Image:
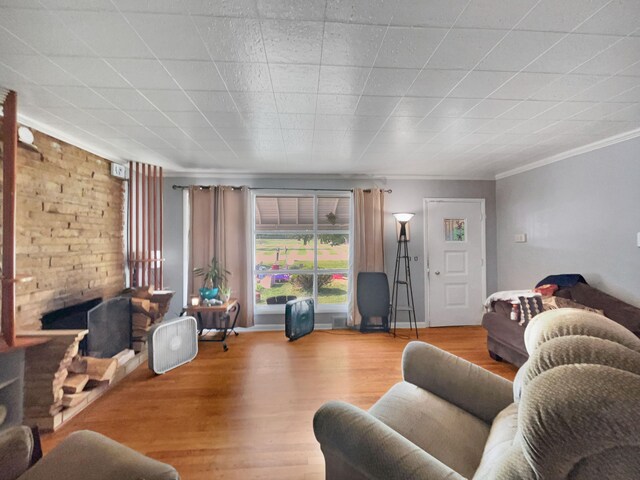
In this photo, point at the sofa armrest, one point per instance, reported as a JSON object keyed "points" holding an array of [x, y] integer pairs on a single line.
{"points": [[16, 448], [88, 455], [370, 449], [468, 386]]}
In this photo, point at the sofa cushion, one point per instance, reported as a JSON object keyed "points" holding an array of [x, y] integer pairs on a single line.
{"points": [[448, 433], [626, 315], [16, 448], [501, 437]]}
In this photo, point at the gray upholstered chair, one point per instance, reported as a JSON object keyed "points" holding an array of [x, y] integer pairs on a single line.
{"points": [[82, 455], [573, 412]]}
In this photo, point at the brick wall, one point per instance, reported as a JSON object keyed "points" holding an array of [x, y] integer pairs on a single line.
{"points": [[70, 224]]}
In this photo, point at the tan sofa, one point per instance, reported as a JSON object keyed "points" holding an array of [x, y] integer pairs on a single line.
{"points": [[82, 455], [572, 413]]}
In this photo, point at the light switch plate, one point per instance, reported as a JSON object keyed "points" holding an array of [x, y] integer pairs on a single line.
{"points": [[520, 238], [639, 239]]}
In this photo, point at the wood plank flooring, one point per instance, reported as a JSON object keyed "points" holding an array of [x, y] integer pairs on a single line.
{"points": [[247, 413]]}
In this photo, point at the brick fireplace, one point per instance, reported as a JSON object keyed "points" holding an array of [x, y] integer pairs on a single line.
{"points": [[70, 224]]}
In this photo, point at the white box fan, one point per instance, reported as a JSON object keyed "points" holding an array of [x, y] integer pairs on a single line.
{"points": [[172, 343]]}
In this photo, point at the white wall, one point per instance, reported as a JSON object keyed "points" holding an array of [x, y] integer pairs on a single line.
{"points": [[407, 196], [581, 215]]}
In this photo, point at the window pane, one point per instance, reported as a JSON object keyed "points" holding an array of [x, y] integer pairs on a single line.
{"points": [[333, 213], [284, 213], [454, 229], [282, 250], [272, 289], [332, 288], [333, 251]]}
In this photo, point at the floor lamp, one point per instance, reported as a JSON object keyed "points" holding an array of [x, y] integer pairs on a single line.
{"points": [[402, 274]]}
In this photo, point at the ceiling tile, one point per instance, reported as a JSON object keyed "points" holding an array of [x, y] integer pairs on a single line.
{"points": [[564, 16], [294, 78], [406, 47], [169, 100], [303, 121], [415, 106], [480, 84], [518, 49], [195, 75], [292, 41], [94, 72], [212, 101], [295, 102], [389, 81], [435, 83], [598, 111], [369, 105], [125, 98], [255, 102], [81, 97], [38, 70], [605, 89], [616, 18], [189, 119], [143, 73], [567, 87], [225, 119], [169, 36], [342, 80], [246, 77], [453, 107], [435, 13], [35, 26], [292, 9], [464, 48], [348, 44], [337, 104], [494, 13], [623, 53], [527, 109], [524, 84], [223, 35], [108, 34], [491, 108], [570, 53]]}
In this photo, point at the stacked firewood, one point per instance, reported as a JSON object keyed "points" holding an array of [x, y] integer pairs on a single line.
{"points": [[47, 370], [86, 373], [147, 307]]}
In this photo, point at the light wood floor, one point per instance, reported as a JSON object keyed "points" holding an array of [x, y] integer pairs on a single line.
{"points": [[247, 413]]}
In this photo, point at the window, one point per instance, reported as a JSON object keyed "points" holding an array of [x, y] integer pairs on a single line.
{"points": [[301, 249]]}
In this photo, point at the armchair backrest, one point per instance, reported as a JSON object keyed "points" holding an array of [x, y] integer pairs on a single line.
{"points": [[579, 405]]}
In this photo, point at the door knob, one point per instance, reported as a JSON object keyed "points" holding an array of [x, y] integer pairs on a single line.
{"points": [[437, 273]]}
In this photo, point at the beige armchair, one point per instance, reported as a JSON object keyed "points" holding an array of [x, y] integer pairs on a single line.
{"points": [[82, 455], [573, 412]]}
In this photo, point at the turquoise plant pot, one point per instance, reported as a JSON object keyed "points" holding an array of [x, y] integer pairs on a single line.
{"points": [[208, 293]]}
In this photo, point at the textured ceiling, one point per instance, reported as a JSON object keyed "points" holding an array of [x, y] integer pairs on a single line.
{"points": [[450, 88]]}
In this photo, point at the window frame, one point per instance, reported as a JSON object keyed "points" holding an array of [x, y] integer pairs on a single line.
{"points": [[319, 308]]}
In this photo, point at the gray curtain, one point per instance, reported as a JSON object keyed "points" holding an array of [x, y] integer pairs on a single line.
{"points": [[368, 241]]}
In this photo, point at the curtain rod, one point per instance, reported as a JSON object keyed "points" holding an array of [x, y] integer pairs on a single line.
{"points": [[207, 187]]}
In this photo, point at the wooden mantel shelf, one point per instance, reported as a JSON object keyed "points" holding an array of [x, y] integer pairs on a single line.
{"points": [[50, 333], [22, 342]]}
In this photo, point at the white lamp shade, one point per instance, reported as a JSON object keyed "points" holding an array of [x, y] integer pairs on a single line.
{"points": [[403, 217]]}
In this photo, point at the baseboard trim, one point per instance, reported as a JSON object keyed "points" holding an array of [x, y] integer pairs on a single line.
{"points": [[278, 328]]}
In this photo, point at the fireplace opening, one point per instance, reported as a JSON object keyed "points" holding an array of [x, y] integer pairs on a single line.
{"points": [[108, 322]]}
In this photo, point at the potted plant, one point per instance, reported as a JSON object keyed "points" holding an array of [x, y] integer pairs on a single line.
{"points": [[215, 276]]}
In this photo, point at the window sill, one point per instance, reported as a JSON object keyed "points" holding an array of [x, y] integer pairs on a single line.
{"points": [[279, 309]]}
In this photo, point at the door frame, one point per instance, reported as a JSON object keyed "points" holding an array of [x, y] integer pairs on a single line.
{"points": [[483, 246]]}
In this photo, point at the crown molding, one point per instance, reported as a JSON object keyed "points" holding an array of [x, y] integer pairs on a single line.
{"points": [[571, 153], [317, 176]]}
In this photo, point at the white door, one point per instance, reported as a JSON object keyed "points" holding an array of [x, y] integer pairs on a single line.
{"points": [[455, 261]]}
